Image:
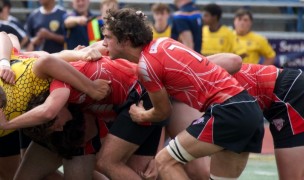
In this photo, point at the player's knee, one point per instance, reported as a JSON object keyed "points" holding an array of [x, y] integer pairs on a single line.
{"points": [[102, 166]]}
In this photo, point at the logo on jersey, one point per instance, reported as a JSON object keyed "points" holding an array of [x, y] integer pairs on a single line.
{"points": [[82, 98], [143, 71], [199, 121], [278, 123], [54, 25]]}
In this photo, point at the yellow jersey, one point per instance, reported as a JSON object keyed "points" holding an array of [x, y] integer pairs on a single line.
{"points": [[254, 46], [27, 84], [219, 41], [165, 33]]}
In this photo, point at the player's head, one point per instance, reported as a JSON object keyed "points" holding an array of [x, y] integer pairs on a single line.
{"points": [[242, 21], [212, 12], [3, 99], [161, 12], [129, 25], [63, 142], [105, 5]]}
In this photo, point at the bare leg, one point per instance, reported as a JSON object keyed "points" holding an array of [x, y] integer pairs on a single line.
{"points": [[113, 156], [290, 162], [197, 169], [169, 168], [79, 167], [37, 163], [8, 166], [98, 176], [228, 164]]}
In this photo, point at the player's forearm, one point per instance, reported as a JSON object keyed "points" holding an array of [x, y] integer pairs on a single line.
{"points": [[154, 115], [269, 61], [67, 55], [6, 46], [32, 118], [56, 37]]}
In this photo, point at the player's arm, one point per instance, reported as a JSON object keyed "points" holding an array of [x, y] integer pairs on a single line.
{"points": [[231, 62], [50, 66], [160, 111], [269, 61], [186, 38], [5, 55], [40, 114]]}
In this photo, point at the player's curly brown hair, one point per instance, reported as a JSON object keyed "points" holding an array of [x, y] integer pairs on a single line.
{"points": [[129, 24]]}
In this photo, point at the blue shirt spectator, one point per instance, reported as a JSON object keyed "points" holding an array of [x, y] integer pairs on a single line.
{"points": [[45, 26], [10, 24], [187, 25], [77, 35]]}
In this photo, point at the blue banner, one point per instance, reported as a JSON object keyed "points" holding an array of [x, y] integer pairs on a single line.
{"points": [[290, 52]]}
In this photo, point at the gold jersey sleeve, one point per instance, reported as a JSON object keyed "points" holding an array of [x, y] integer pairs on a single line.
{"points": [[18, 95], [219, 41], [254, 46]]}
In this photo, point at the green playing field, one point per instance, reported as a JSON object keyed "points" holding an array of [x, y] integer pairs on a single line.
{"points": [[260, 167]]}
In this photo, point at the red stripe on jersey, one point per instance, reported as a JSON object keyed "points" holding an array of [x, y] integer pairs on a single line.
{"points": [[207, 133], [296, 120], [259, 81]]}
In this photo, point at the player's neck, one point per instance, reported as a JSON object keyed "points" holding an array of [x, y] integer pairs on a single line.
{"points": [[214, 27], [160, 26]]}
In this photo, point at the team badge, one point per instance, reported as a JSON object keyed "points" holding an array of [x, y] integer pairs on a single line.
{"points": [[198, 121], [278, 123], [54, 25]]}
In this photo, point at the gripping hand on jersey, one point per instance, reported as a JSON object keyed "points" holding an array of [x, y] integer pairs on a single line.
{"points": [[7, 74], [101, 89], [136, 112]]}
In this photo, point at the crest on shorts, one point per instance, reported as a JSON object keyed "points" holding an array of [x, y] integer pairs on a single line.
{"points": [[198, 121], [278, 123]]}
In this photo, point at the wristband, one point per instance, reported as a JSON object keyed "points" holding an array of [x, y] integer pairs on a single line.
{"points": [[5, 62]]}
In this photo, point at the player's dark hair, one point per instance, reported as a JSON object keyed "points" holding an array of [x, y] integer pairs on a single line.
{"points": [[160, 7], [66, 142], [214, 10], [129, 24], [3, 99], [243, 12]]}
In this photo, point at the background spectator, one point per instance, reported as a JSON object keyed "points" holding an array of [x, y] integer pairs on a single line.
{"points": [[251, 46], [161, 15], [217, 38], [45, 27], [187, 24], [10, 24], [76, 24]]}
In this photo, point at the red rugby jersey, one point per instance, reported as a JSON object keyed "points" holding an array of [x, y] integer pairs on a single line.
{"points": [[187, 76], [120, 72], [259, 80]]}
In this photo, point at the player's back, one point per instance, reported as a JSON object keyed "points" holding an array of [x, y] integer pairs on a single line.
{"points": [[186, 75], [259, 81], [27, 85], [120, 72]]}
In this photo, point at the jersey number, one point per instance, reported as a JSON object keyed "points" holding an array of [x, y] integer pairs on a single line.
{"points": [[199, 58]]}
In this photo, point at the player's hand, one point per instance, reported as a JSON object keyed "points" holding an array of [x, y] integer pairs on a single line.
{"points": [[151, 172], [89, 54], [136, 112], [101, 89], [7, 74], [79, 47], [81, 20]]}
